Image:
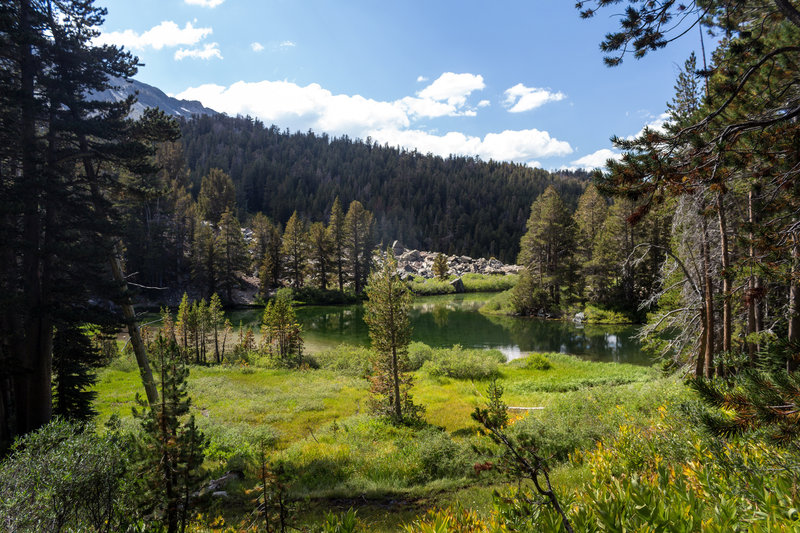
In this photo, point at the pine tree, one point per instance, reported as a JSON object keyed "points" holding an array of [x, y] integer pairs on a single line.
{"points": [[282, 332], [336, 230], [546, 248], [74, 361], [231, 252], [295, 250], [216, 317], [182, 326], [589, 218], [320, 254], [217, 195], [205, 258], [56, 204], [358, 225], [386, 312], [440, 267], [173, 451]]}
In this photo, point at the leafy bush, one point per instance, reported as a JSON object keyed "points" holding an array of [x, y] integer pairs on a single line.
{"points": [[345, 359], [500, 304], [418, 353], [596, 315], [489, 282], [316, 296], [461, 363], [537, 361], [441, 457], [63, 478]]}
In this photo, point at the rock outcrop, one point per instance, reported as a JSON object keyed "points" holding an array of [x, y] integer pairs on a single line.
{"points": [[417, 263]]}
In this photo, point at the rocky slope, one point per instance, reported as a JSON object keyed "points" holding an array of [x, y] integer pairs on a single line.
{"points": [[417, 263]]}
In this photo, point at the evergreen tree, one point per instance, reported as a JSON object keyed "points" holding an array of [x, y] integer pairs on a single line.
{"points": [[358, 243], [295, 250], [216, 317], [546, 248], [232, 253], [74, 361], [386, 312], [336, 231], [173, 448], [217, 195], [320, 249], [282, 332], [55, 229], [440, 267], [205, 258], [589, 218], [182, 325]]}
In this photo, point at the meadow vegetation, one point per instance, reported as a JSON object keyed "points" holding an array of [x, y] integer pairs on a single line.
{"points": [[316, 423]]}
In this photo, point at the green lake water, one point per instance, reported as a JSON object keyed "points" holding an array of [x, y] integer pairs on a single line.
{"points": [[454, 319]]}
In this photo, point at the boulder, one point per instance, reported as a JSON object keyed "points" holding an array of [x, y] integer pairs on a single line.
{"points": [[458, 285], [397, 248]]}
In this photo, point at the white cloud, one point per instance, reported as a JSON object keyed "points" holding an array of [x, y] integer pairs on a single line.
{"points": [[657, 124], [420, 79], [595, 160], [520, 146], [445, 97], [299, 108], [484, 103], [453, 88], [520, 98], [256, 46], [166, 34], [208, 51], [287, 44], [204, 3]]}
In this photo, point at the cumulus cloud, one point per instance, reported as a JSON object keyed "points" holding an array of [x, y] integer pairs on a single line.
{"points": [[657, 124], [596, 159], [453, 88], [312, 107], [204, 3], [520, 98], [208, 51], [287, 44], [484, 103], [520, 146], [445, 97], [256, 46], [167, 34], [420, 79], [301, 108]]}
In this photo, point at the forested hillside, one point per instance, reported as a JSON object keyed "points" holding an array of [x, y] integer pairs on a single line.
{"points": [[457, 205]]}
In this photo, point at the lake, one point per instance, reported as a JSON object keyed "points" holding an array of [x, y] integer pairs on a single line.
{"points": [[455, 319]]}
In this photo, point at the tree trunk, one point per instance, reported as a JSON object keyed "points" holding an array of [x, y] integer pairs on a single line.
{"points": [[708, 292], [794, 303], [726, 274], [751, 282]]}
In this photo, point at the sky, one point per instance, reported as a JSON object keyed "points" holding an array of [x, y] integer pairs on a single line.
{"points": [[508, 80]]}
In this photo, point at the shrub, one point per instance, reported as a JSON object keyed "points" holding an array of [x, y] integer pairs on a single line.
{"points": [[489, 282], [537, 361], [63, 478], [461, 363], [345, 359]]}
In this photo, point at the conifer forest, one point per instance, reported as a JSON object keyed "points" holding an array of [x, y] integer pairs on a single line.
{"points": [[214, 323]]}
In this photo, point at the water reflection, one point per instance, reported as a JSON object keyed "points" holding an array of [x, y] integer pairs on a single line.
{"points": [[454, 319]]}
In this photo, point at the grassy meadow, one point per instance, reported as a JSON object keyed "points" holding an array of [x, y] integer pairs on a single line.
{"points": [[316, 420]]}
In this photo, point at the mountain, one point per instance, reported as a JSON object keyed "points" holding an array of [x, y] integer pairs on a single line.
{"points": [[457, 205], [149, 96]]}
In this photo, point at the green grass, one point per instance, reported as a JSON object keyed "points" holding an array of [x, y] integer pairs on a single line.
{"points": [[319, 424], [472, 283]]}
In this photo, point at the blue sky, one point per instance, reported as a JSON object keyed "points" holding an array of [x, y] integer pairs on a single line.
{"points": [[508, 80]]}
